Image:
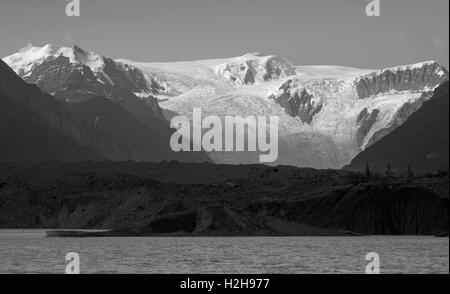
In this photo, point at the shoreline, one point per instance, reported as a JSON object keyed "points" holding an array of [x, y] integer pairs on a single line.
{"points": [[111, 233], [86, 233], [97, 233]]}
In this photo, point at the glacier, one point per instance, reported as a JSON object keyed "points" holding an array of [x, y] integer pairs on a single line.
{"points": [[327, 114]]}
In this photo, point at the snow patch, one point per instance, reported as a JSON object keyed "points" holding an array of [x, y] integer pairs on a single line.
{"points": [[23, 61]]}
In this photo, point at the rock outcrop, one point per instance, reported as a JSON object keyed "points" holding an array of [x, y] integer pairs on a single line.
{"points": [[421, 143], [120, 136], [416, 77], [297, 101], [74, 75], [255, 69], [317, 106], [282, 201], [365, 122]]}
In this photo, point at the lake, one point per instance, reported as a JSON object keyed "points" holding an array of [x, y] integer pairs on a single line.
{"points": [[28, 251]]}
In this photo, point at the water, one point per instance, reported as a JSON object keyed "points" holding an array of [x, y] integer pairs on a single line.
{"points": [[30, 252]]}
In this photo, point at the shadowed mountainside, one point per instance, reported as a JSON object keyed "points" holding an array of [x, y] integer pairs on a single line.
{"points": [[149, 199], [26, 136], [77, 123], [422, 142]]}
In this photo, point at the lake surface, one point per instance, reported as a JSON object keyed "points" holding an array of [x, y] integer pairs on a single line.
{"points": [[30, 252]]}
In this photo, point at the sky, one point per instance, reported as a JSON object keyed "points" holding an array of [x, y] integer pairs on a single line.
{"points": [[306, 32]]}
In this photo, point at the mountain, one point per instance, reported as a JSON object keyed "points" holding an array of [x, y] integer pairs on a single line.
{"points": [[327, 114], [113, 120], [27, 137], [422, 142], [73, 75], [139, 143]]}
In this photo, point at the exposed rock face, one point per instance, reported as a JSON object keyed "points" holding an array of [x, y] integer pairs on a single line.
{"points": [[375, 210], [317, 106], [283, 201], [120, 136], [130, 77], [55, 114], [238, 74], [184, 221], [365, 122], [74, 75], [276, 67], [413, 78], [255, 70], [422, 142], [220, 220], [297, 101], [136, 128], [417, 79], [400, 117]]}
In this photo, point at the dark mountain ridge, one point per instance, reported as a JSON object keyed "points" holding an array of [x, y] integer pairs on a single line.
{"points": [[421, 143], [150, 199], [141, 143], [25, 136]]}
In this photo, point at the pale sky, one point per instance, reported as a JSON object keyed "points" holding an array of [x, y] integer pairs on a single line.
{"points": [[334, 32]]}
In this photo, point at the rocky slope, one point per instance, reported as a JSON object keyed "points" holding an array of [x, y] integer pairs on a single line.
{"points": [[298, 102], [74, 75], [255, 70], [416, 77], [136, 142], [327, 114], [125, 198], [422, 142], [26, 136]]}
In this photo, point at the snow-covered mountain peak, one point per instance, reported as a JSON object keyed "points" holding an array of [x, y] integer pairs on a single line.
{"points": [[413, 66], [418, 77], [74, 74], [23, 61], [253, 54], [94, 61], [254, 68], [327, 113], [431, 66]]}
